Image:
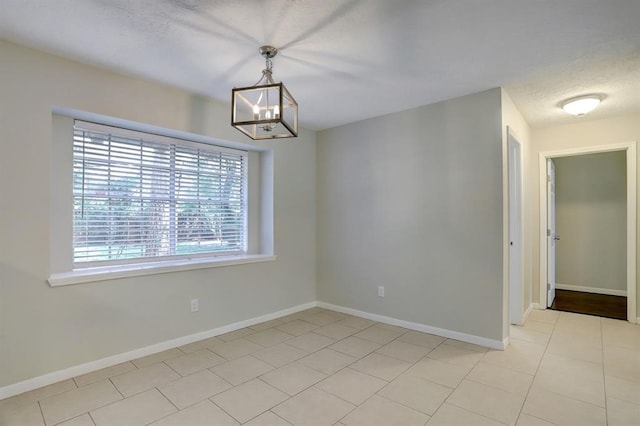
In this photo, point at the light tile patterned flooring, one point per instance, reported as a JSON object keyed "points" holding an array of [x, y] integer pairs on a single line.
{"points": [[320, 367]]}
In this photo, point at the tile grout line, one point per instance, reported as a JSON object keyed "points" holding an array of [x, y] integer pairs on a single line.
{"points": [[210, 399], [446, 401], [546, 347], [377, 393], [604, 380], [276, 414], [76, 387], [545, 353], [329, 375], [289, 397], [41, 412], [171, 402], [116, 388]]}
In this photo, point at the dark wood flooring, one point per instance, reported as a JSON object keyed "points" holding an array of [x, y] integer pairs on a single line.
{"points": [[601, 305]]}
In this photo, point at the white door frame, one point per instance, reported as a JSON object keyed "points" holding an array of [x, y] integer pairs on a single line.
{"points": [[551, 236], [630, 149], [516, 221]]}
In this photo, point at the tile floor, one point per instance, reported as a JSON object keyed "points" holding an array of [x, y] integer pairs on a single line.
{"points": [[320, 367]]}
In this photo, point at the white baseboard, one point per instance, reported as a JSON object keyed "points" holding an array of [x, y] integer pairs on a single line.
{"points": [[527, 312], [524, 317], [469, 338], [596, 290], [68, 373], [89, 367]]}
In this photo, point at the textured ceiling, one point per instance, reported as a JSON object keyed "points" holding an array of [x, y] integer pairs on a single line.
{"points": [[346, 60]]}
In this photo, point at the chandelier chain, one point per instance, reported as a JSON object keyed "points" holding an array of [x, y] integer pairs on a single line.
{"points": [[267, 74]]}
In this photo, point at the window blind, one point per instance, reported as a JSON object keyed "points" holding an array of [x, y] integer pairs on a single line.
{"points": [[139, 196]]}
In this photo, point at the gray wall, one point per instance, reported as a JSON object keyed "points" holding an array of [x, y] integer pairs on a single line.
{"points": [[413, 201], [591, 220], [45, 329]]}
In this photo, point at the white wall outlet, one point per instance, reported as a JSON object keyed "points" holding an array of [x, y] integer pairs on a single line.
{"points": [[195, 305], [380, 291]]}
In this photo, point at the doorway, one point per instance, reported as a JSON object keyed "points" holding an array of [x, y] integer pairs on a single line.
{"points": [[590, 214], [548, 236]]}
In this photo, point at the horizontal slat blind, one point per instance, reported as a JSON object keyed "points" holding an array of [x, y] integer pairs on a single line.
{"points": [[140, 198]]}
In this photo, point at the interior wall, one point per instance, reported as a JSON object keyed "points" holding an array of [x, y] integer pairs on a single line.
{"points": [[513, 119], [45, 329], [591, 214], [582, 133], [413, 201]]}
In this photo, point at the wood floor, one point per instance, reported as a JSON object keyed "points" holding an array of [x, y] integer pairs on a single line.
{"points": [[601, 305]]}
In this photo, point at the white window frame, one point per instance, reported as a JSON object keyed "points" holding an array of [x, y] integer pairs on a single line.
{"points": [[260, 241]]}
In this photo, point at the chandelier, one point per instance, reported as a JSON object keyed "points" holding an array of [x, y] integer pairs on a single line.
{"points": [[265, 110]]}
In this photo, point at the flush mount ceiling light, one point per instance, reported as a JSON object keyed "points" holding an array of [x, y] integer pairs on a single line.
{"points": [[265, 110], [581, 105]]}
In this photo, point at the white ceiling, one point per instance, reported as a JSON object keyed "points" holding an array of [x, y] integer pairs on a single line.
{"points": [[346, 60]]}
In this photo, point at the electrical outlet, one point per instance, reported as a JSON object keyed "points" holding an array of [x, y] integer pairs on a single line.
{"points": [[380, 291], [194, 305]]}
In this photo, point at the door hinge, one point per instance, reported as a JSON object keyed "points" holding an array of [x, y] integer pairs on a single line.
{"points": [[548, 286], [548, 232]]}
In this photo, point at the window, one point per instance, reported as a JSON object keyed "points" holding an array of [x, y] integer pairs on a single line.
{"points": [[131, 199], [141, 197]]}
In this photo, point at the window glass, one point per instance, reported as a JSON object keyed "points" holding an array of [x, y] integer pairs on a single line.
{"points": [[142, 197]]}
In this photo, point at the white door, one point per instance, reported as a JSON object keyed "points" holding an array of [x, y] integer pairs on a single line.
{"points": [[516, 299], [551, 232]]}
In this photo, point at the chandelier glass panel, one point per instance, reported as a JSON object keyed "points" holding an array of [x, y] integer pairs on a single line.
{"points": [[265, 110]]}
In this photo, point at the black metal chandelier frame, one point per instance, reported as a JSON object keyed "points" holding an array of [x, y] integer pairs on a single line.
{"points": [[265, 110]]}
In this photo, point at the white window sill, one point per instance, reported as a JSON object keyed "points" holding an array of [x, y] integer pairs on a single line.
{"points": [[104, 273]]}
